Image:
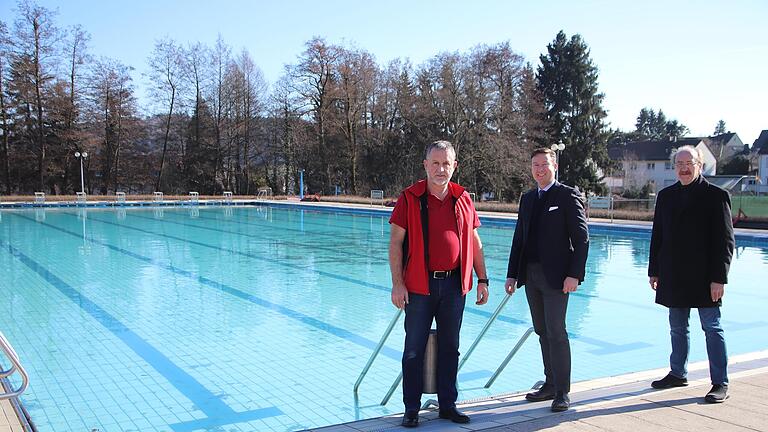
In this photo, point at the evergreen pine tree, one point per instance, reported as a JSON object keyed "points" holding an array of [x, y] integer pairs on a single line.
{"points": [[720, 128], [567, 79]]}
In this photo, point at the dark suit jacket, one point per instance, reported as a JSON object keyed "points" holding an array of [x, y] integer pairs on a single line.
{"points": [[691, 243], [563, 240]]}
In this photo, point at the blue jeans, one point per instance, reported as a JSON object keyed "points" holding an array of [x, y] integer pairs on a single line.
{"points": [[713, 331], [445, 304]]}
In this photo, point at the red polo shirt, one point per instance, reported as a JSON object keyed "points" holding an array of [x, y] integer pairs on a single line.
{"points": [[444, 245]]}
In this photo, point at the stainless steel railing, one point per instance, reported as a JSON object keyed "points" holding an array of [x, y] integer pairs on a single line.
{"points": [[464, 359], [511, 354], [16, 366], [377, 350]]}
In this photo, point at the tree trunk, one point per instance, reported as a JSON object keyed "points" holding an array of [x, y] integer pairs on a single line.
{"points": [[39, 103], [165, 141], [6, 153]]}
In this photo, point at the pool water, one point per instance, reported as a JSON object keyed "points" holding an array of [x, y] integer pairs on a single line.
{"points": [[262, 318]]}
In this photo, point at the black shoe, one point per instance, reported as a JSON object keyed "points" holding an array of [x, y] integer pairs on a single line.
{"points": [[718, 394], [546, 392], [454, 415], [561, 403], [410, 419], [669, 381]]}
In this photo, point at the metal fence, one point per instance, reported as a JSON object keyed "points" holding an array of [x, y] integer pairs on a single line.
{"points": [[748, 208], [611, 207]]}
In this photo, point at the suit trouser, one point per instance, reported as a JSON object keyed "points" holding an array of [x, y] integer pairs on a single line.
{"points": [[445, 304], [548, 306]]}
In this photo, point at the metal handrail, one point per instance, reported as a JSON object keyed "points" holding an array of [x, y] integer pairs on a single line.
{"points": [[377, 350], [484, 330], [465, 357], [392, 388], [511, 354], [15, 366]]}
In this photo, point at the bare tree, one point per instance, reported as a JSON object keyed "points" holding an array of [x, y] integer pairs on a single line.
{"points": [[112, 105], [5, 51], [251, 91], [357, 72], [286, 112], [76, 44], [314, 80], [197, 63], [166, 74], [36, 36], [220, 59]]}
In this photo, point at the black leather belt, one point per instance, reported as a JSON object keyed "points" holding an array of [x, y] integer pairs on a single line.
{"points": [[442, 274]]}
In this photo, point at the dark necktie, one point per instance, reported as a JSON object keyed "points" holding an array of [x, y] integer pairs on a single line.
{"points": [[541, 193]]}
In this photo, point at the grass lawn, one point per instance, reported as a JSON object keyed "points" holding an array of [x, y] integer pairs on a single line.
{"points": [[752, 206]]}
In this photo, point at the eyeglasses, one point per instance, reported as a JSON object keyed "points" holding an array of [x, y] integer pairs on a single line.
{"points": [[686, 164]]}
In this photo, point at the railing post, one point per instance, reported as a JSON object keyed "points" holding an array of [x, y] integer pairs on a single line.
{"points": [[466, 356], [511, 354], [392, 389], [484, 330], [377, 350]]}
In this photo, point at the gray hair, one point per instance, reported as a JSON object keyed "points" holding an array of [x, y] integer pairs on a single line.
{"points": [[693, 151], [439, 145]]}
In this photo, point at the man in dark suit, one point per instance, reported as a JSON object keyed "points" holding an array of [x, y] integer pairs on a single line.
{"points": [[691, 248], [548, 256]]}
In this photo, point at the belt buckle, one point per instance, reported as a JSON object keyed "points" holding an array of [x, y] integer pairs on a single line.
{"points": [[441, 274]]}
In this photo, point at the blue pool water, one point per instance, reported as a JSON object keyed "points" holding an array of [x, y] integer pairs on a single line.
{"points": [[261, 318]]}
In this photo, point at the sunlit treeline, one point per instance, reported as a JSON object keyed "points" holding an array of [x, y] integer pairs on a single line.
{"points": [[212, 123]]}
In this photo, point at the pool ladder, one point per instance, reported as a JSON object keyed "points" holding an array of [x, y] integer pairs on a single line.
{"points": [[16, 366], [464, 359]]}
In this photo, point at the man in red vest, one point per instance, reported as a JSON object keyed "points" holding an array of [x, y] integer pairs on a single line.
{"points": [[433, 248]]}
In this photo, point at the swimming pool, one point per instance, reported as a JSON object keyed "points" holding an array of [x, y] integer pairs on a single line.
{"points": [[261, 318]]}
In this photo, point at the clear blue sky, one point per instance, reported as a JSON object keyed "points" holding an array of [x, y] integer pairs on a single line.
{"points": [[699, 61]]}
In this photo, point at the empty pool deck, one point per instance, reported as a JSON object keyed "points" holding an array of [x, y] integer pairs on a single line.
{"points": [[622, 403]]}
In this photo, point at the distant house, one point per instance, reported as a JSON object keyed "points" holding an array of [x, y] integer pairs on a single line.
{"points": [[650, 162], [760, 148], [724, 146]]}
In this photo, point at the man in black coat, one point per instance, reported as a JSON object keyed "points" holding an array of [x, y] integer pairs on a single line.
{"points": [[691, 248], [548, 256]]}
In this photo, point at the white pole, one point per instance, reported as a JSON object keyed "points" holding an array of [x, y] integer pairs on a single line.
{"points": [[82, 179]]}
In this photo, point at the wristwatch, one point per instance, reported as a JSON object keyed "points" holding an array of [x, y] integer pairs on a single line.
{"points": [[480, 280]]}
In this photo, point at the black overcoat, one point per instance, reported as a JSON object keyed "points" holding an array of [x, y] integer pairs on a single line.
{"points": [[691, 244]]}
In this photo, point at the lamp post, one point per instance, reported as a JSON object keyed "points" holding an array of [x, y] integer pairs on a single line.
{"points": [[557, 148], [81, 156]]}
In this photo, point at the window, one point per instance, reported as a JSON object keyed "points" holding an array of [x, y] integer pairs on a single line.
{"points": [[667, 165], [632, 166], [651, 165]]}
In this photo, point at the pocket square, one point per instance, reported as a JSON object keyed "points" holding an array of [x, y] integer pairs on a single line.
{"points": [[553, 208]]}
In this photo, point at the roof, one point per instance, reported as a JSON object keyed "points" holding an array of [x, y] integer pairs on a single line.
{"points": [[727, 182], [650, 150], [761, 143], [720, 139]]}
